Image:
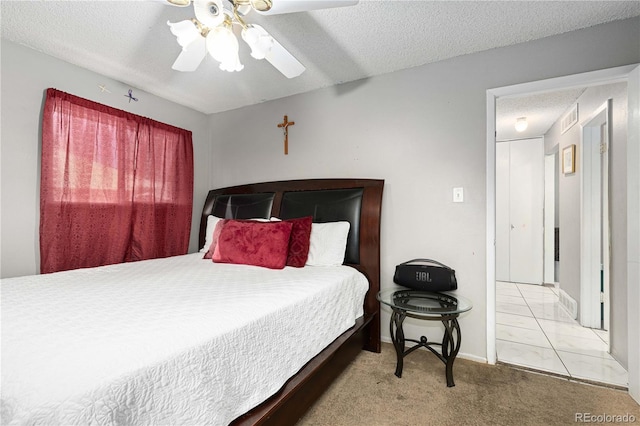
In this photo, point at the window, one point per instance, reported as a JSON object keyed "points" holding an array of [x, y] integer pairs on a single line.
{"points": [[115, 187]]}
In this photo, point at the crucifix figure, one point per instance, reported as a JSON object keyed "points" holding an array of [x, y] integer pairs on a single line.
{"points": [[285, 129]]}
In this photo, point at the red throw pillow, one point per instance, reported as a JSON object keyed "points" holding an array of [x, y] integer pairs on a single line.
{"points": [[299, 242], [254, 243], [214, 240]]}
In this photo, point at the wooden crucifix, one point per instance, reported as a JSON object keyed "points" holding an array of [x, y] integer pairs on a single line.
{"points": [[285, 129]]}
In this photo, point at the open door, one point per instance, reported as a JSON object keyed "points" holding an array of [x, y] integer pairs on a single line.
{"points": [[550, 182], [595, 244]]}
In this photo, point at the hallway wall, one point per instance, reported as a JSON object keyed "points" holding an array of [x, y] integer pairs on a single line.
{"points": [[569, 207]]}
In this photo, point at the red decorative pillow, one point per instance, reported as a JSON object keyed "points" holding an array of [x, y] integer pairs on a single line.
{"points": [[254, 243], [214, 241], [299, 242]]}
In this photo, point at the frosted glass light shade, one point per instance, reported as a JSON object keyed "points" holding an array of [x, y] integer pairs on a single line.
{"points": [[231, 65], [185, 31], [223, 46], [258, 40]]}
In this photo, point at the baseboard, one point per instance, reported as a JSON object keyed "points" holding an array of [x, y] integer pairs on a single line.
{"points": [[472, 357]]}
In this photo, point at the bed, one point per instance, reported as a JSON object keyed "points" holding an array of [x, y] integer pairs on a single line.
{"points": [[169, 341]]}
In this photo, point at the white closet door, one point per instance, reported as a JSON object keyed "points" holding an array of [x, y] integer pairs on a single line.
{"points": [[526, 203], [519, 211]]}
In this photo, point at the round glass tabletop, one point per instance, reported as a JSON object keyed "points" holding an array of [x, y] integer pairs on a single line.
{"points": [[424, 302]]}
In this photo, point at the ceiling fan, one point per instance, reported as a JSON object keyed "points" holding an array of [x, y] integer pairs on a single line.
{"points": [[212, 31]]}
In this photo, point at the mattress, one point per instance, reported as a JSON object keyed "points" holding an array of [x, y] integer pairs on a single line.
{"points": [[169, 341]]}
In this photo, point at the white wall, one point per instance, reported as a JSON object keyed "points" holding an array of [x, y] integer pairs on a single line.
{"points": [[633, 232], [26, 74], [423, 131]]}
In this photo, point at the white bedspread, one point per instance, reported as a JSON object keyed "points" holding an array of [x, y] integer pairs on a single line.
{"points": [[177, 341]]}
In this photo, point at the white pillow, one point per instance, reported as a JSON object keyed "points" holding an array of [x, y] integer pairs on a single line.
{"points": [[328, 243], [212, 221]]}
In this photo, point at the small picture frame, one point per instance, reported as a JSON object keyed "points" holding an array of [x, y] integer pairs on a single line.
{"points": [[569, 159]]}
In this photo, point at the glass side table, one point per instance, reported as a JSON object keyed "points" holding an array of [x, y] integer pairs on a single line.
{"points": [[426, 305]]}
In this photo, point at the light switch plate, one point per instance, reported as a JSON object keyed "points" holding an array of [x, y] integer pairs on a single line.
{"points": [[458, 195]]}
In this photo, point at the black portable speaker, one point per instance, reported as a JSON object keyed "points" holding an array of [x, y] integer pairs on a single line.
{"points": [[425, 274]]}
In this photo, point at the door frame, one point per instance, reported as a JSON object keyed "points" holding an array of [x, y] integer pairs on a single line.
{"points": [[609, 75], [503, 234], [594, 213], [548, 252]]}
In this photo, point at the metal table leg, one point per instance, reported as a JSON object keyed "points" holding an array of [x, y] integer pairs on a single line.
{"points": [[449, 346], [397, 337]]}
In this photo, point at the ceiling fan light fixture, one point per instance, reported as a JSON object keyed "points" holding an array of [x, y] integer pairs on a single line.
{"points": [[223, 46], [185, 31], [211, 31], [521, 124], [258, 40], [231, 65], [261, 5], [243, 8], [210, 13]]}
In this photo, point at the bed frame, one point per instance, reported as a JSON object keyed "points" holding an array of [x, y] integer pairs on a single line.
{"points": [[274, 199]]}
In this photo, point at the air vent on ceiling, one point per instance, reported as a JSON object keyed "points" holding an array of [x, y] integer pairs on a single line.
{"points": [[569, 119]]}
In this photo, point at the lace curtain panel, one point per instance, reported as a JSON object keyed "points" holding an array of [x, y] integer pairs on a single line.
{"points": [[115, 187]]}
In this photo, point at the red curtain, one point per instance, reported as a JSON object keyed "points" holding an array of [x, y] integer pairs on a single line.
{"points": [[115, 187]]}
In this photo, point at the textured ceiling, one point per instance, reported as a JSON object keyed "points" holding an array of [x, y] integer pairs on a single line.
{"points": [[540, 110], [130, 41]]}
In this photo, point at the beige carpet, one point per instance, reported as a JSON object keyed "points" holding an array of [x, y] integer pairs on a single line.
{"points": [[368, 393]]}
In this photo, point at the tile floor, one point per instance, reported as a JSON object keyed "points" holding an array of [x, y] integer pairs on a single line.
{"points": [[534, 331]]}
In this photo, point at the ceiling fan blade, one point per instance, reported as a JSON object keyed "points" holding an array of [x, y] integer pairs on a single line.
{"points": [[179, 3], [284, 61], [274, 7], [191, 56]]}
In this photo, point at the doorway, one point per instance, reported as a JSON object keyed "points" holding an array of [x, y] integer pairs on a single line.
{"points": [[627, 73], [536, 324]]}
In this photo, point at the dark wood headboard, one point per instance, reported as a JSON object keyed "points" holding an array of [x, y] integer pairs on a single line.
{"points": [[269, 201]]}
